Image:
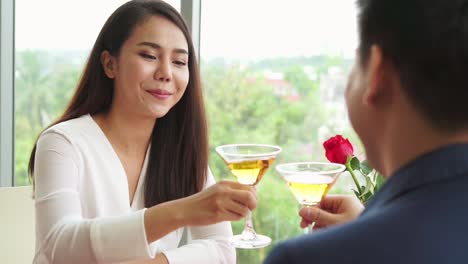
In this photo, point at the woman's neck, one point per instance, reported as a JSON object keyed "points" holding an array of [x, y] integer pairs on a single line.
{"points": [[128, 133]]}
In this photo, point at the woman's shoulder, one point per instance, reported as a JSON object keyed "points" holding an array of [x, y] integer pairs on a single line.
{"points": [[72, 129]]}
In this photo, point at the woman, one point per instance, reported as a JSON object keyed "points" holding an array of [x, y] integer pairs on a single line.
{"points": [[134, 137]]}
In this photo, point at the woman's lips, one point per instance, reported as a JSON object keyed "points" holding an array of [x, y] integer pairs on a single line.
{"points": [[160, 94]]}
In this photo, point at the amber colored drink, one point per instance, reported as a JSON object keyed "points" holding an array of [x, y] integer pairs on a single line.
{"points": [[250, 172], [309, 189], [248, 163]]}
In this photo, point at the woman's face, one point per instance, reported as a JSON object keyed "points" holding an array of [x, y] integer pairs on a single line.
{"points": [[151, 72]]}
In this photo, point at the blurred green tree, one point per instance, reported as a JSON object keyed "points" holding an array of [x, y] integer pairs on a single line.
{"points": [[44, 84]]}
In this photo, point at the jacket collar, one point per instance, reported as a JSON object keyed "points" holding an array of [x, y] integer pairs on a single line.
{"points": [[447, 162]]}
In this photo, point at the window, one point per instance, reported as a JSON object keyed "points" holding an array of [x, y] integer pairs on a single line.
{"points": [[50, 50], [275, 73]]}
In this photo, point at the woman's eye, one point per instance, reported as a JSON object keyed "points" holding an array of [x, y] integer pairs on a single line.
{"points": [[147, 56], [180, 63]]}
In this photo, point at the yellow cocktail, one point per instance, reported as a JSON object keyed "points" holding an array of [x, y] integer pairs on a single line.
{"points": [[248, 163], [310, 181]]}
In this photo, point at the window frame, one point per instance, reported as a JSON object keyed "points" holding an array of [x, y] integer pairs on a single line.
{"points": [[7, 103], [190, 10]]}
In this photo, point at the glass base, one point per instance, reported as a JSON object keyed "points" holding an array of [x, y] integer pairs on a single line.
{"points": [[259, 242]]}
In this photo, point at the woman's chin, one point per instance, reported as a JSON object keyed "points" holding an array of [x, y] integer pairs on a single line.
{"points": [[158, 113]]}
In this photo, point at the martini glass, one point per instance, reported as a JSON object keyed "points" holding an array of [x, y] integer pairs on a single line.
{"points": [[248, 163], [310, 181]]}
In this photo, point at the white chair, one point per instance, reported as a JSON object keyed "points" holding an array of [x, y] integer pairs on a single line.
{"points": [[17, 230]]}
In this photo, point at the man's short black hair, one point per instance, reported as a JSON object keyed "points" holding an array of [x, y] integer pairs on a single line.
{"points": [[427, 43]]}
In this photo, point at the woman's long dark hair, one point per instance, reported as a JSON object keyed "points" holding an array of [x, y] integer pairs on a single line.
{"points": [[178, 160]]}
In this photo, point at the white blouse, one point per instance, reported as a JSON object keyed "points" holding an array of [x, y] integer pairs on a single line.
{"points": [[83, 213]]}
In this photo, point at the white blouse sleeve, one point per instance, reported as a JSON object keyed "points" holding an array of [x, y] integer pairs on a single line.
{"points": [[208, 244], [62, 234]]}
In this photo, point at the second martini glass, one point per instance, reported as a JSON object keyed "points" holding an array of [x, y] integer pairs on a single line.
{"points": [[310, 181]]}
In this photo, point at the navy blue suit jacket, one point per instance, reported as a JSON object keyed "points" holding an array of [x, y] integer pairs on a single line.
{"points": [[419, 216]]}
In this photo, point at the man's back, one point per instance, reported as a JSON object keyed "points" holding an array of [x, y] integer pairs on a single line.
{"points": [[419, 216]]}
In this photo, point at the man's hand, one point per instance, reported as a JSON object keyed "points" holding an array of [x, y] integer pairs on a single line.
{"points": [[333, 209]]}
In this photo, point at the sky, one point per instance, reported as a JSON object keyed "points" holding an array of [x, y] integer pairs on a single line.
{"points": [[266, 28], [232, 29]]}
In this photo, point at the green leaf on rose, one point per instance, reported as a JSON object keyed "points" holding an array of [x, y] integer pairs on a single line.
{"points": [[365, 168], [366, 197], [356, 193], [363, 188], [379, 181], [369, 185], [355, 164]]}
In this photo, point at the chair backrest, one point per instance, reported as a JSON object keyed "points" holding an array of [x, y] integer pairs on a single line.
{"points": [[17, 230]]}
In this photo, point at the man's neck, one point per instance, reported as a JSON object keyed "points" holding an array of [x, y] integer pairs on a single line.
{"points": [[414, 140]]}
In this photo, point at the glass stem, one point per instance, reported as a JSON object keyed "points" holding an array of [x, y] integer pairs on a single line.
{"points": [[249, 232], [309, 229]]}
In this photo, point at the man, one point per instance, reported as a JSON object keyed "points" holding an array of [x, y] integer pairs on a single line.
{"points": [[407, 100]]}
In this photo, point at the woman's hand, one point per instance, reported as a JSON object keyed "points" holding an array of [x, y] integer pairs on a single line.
{"points": [[159, 259], [223, 201], [333, 209]]}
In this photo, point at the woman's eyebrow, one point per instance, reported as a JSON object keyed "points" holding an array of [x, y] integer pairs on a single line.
{"points": [[157, 47]]}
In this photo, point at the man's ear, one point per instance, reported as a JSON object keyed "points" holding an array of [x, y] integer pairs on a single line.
{"points": [[377, 74], [108, 63]]}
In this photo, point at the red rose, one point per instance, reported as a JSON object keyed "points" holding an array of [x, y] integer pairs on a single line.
{"points": [[337, 149]]}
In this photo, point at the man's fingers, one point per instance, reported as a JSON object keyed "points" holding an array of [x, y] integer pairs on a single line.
{"points": [[305, 223], [331, 202], [317, 215]]}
